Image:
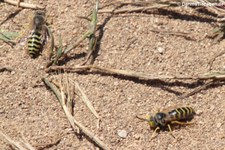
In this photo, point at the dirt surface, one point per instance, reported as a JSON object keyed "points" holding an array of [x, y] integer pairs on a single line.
{"points": [[27, 108]]}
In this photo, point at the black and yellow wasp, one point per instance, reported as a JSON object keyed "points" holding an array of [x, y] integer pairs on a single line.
{"points": [[38, 35], [163, 119]]}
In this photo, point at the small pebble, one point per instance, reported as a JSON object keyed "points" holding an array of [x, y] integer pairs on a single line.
{"points": [[137, 136], [122, 133], [116, 83], [199, 112], [218, 125], [161, 50], [212, 107], [2, 111]]}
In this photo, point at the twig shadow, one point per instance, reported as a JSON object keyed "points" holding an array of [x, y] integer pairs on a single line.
{"points": [[210, 86], [101, 34], [12, 15], [68, 58], [99, 38], [176, 15], [164, 85]]}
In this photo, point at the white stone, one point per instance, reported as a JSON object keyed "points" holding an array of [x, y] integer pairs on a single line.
{"points": [[122, 133]]}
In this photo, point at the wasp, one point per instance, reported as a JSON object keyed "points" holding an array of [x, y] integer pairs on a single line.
{"points": [[163, 119], [38, 35]]}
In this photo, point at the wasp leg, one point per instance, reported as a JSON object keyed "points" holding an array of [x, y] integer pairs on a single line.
{"points": [[48, 35], [182, 123], [154, 133], [171, 131]]}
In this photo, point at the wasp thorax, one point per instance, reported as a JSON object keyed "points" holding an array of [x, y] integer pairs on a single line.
{"points": [[160, 118], [38, 21]]}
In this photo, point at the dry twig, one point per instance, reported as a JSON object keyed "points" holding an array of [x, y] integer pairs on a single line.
{"points": [[27, 144], [70, 96], [132, 10], [214, 58], [214, 9], [23, 4], [60, 96], [139, 75], [6, 138]]}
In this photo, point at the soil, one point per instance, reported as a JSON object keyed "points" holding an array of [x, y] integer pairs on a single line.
{"points": [[29, 109]]}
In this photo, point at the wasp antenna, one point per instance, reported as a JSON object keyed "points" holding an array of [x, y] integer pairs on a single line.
{"points": [[143, 119]]}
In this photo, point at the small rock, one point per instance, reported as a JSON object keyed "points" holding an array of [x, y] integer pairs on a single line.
{"points": [[137, 136], [199, 112], [201, 123], [212, 107], [116, 83], [2, 111], [122, 133], [161, 50], [218, 125], [129, 98]]}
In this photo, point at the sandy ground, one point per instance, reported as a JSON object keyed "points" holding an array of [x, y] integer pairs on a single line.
{"points": [[27, 108]]}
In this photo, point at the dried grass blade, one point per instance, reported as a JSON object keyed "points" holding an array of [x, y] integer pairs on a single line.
{"points": [[10, 141], [86, 100], [73, 122]]}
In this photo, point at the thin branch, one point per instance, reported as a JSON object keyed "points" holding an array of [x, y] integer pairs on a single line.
{"points": [[73, 122], [214, 58], [23, 4], [131, 10], [10, 141], [217, 10], [69, 102], [138, 75], [27, 144]]}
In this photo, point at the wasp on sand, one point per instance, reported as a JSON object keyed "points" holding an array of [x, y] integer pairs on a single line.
{"points": [[163, 119]]}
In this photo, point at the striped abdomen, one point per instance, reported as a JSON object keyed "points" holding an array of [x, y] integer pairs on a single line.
{"points": [[182, 113], [34, 44]]}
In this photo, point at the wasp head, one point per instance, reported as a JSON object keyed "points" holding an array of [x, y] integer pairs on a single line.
{"points": [[160, 118], [38, 20], [152, 121]]}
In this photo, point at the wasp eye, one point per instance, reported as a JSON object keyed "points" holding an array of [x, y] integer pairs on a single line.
{"points": [[160, 116]]}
